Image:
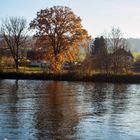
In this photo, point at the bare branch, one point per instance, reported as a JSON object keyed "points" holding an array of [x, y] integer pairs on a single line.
{"points": [[13, 31]]}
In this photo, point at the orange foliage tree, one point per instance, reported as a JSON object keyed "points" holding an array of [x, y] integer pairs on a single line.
{"points": [[60, 30]]}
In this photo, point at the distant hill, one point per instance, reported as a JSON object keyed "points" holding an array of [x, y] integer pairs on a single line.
{"points": [[134, 44], [1, 37]]}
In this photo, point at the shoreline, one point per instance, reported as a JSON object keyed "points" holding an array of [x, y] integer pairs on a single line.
{"points": [[110, 78]]}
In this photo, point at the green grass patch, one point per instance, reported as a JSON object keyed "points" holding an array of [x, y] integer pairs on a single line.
{"points": [[30, 69], [135, 55]]}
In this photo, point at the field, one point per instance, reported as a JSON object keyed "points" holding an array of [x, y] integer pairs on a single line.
{"points": [[135, 54]]}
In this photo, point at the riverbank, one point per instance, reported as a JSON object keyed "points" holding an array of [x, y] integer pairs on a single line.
{"points": [[110, 78]]}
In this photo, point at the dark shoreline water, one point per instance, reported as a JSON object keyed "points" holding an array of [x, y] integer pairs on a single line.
{"points": [[59, 110], [110, 78]]}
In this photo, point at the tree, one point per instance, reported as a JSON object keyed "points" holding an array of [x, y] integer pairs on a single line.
{"points": [[99, 46], [13, 31], [115, 40], [62, 33], [99, 54], [119, 46]]}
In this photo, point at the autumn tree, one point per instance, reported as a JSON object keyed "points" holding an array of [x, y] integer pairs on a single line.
{"points": [[61, 32], [14, 34]]}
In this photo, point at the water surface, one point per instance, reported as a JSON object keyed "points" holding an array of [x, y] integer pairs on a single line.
{"points": [[46, 110]]}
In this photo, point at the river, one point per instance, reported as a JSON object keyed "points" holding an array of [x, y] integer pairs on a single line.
{"points": [[54, 110]]}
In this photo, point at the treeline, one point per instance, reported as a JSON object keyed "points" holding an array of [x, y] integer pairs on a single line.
{"points": [[58, 39], [111, 54], [58, 32]]}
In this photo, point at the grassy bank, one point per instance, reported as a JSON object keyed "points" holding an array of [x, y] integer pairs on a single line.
{"points": [[133, 78]]}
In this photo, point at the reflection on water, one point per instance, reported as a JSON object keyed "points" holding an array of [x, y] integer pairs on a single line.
{"points": [[46, 110]]}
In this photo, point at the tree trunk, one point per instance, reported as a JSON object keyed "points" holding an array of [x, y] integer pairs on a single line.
{"points": [[17, 66]]}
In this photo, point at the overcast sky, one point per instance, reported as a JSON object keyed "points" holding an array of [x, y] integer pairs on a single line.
{"points": [[97, 15]]}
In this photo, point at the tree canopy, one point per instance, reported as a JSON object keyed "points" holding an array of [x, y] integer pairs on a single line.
{"points": [[99, 46], [62, 33]]}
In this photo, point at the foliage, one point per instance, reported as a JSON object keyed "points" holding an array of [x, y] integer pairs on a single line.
{"points": [[116, 60], [60, 30], [99, 46], [98, 55]]}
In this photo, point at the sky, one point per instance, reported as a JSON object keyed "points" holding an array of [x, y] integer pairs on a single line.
{"points": [[98, 16]]}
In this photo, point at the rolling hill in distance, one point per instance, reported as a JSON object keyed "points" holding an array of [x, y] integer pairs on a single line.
{"points": [[134, 44]]}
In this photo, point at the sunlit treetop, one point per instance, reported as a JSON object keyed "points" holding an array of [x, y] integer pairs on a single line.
{"points": [[62, 32]]}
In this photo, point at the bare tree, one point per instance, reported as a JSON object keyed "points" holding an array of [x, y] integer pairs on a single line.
{"points": [[14, 32], [116, 40], [119, 51]]}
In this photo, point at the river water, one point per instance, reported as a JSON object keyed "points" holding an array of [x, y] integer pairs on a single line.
{"points": [[52, 110]]}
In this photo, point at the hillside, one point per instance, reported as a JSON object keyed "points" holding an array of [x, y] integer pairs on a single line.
{"points": [[134, 44]]}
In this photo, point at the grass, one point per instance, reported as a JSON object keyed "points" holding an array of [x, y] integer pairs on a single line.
{"points": [[25, 70], [73, 76], [135, 54], [37, 73], [30, 69]]}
